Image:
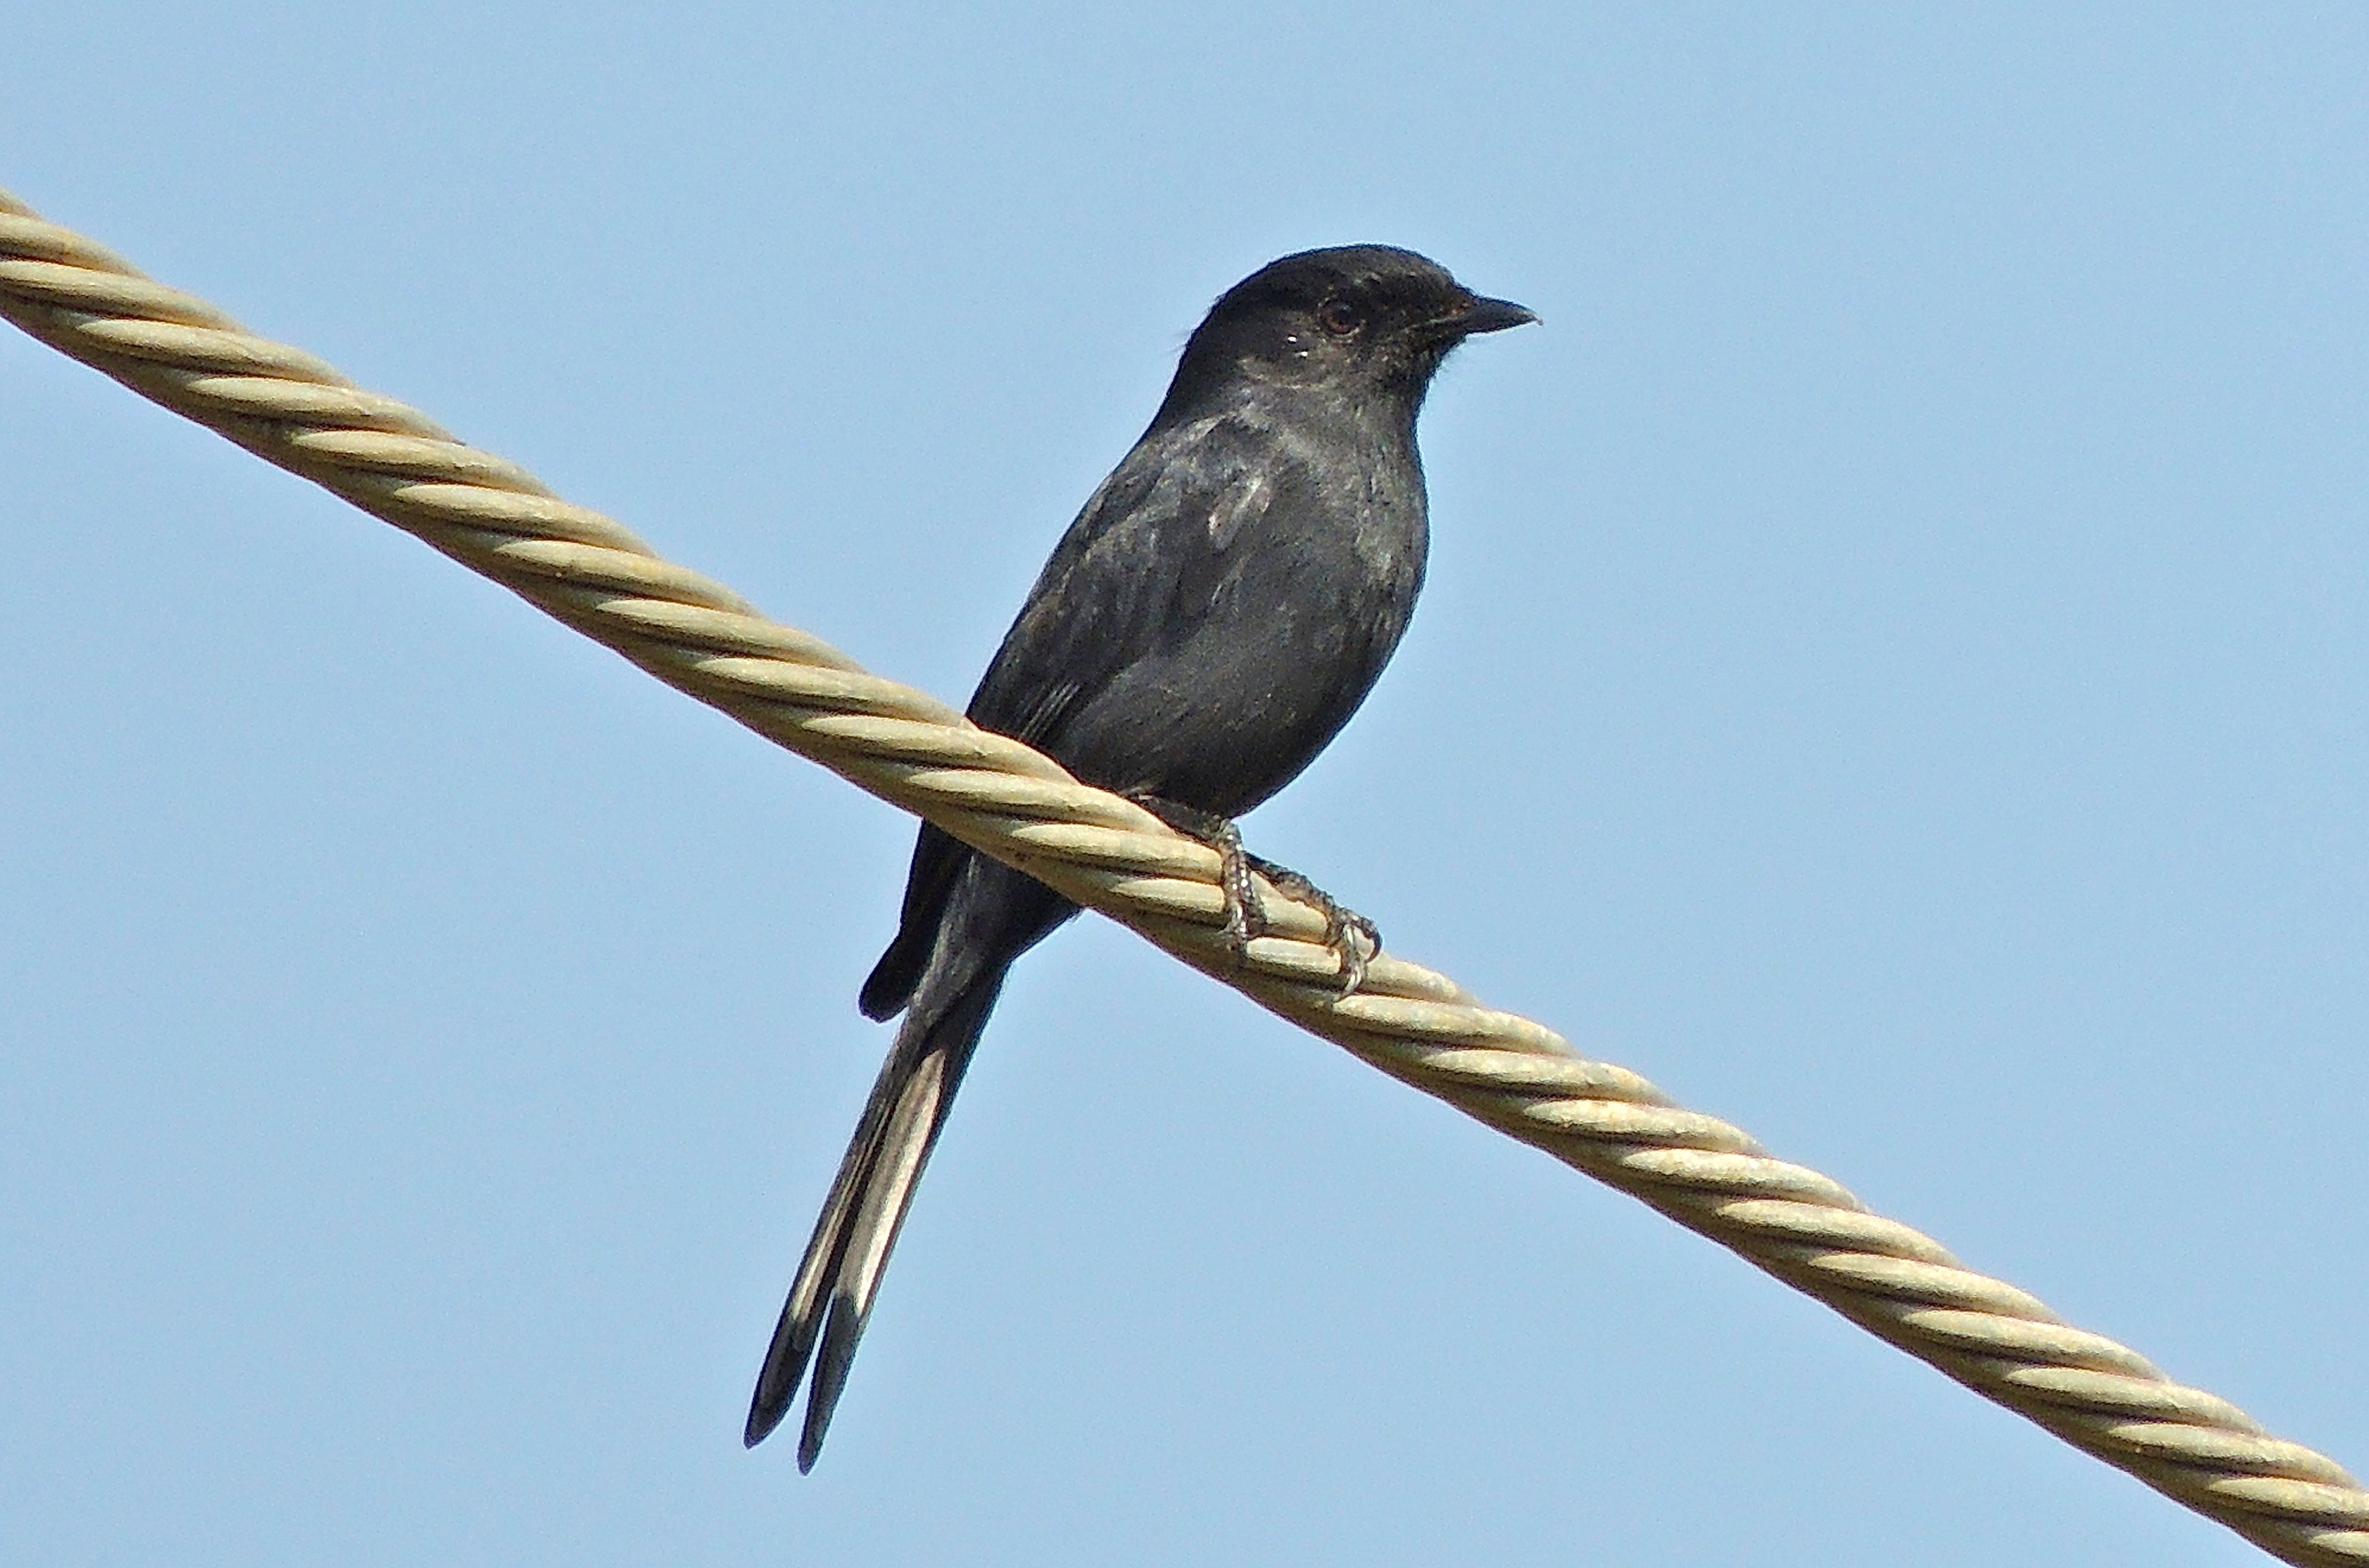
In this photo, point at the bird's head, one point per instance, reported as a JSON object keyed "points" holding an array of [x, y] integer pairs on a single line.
{"points": [[1363, 320]]}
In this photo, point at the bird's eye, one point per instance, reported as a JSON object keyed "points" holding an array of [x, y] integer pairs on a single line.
{"points": [[1339, 317]]}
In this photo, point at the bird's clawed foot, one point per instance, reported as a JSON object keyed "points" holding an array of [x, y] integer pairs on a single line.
{"points": [[1356, 941], [1244, 920]]}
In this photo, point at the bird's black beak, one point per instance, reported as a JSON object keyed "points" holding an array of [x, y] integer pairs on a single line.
{"points": [[1487, 316]]}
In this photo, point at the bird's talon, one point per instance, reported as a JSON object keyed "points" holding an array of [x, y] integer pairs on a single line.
{"points": [[1357, 941]]}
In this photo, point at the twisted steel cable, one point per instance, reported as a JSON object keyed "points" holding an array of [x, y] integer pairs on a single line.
{"points": [[1010, 802]]}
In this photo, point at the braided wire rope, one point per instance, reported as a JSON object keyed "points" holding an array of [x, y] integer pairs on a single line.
{"points": [[1109, 854]]}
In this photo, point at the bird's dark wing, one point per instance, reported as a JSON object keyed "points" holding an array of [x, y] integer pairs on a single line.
{"points": [[1135, 571]]}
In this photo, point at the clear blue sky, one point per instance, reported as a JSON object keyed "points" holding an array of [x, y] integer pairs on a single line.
{"points": [[1895, 671]]}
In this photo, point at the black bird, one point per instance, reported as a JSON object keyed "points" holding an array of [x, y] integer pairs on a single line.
{"points": [[1209, 621]]}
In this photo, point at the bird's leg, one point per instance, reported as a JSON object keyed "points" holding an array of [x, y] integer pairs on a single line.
{"points": [[1244, 919], [1354, 939]]}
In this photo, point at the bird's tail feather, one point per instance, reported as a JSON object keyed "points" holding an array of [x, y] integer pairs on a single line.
{"points": [[840, 1275]]}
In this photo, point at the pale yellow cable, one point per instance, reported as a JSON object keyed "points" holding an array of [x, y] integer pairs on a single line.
{"points": [[1111, 856]]}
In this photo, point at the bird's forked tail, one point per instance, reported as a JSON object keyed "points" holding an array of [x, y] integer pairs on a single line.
{"points": [[840, 1275]]}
